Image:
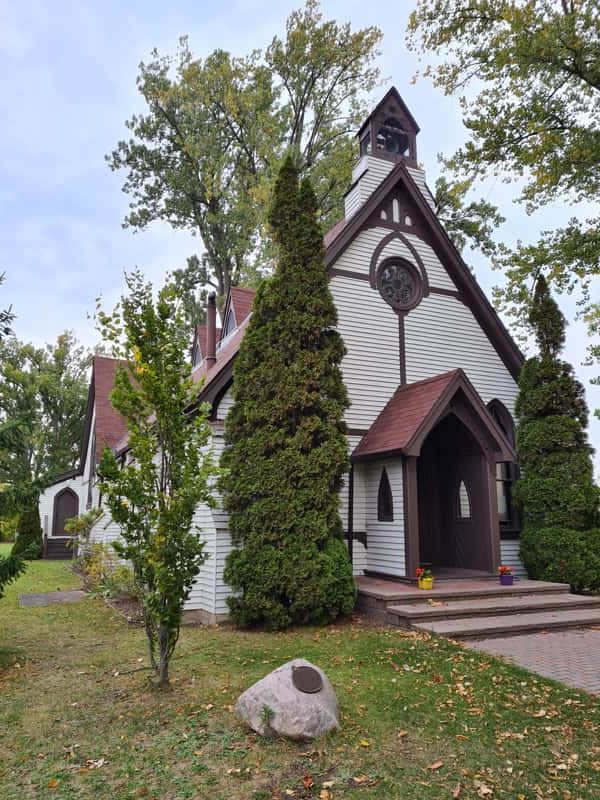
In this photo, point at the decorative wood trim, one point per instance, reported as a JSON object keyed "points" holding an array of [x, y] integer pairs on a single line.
{"points": [[346, 273], [374, 264], [470, 291], [356, 431], [402, 349], [411, 514], [350, 532]]}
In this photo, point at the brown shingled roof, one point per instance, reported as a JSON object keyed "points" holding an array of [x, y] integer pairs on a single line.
{"points": [[110, 425], [241, 301], [201, 337], [414, 409]]}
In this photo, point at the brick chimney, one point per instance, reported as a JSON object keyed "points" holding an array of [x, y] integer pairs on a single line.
{"points": [[211, 331]]}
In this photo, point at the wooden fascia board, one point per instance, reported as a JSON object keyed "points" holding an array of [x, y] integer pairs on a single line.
{"points": [[460, 381], [393, 92], [470, 291]]}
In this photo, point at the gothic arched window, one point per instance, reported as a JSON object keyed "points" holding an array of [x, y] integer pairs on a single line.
{"points": [[506, 471], [463, 504], [385, 501]]}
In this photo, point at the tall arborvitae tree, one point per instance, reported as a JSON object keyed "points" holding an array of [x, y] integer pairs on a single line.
{"points": [[287, 451], [556, 488]]}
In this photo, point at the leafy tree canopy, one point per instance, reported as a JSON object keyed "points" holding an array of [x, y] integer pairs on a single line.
{"points": [[528, 76], [6, 317], [43, 393], [204, 155]]}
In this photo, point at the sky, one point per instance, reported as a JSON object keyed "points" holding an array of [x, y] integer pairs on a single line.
{"points": [[68, 82]]}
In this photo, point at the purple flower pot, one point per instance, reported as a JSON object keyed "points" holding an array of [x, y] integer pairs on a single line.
{"points": [[506, 580]]}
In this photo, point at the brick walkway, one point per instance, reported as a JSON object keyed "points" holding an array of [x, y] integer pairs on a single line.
{"points": [[572, 657]]}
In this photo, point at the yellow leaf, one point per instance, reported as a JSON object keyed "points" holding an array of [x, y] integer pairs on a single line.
{"points": [[365, 743], [52, 783]]}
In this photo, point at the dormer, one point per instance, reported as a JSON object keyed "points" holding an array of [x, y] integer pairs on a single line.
{"points": [[388, 136]]}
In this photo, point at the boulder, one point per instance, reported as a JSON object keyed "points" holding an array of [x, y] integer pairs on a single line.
{"points": [[274, 706]]}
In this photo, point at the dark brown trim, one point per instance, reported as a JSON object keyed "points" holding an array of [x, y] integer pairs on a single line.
{"points": [[446, 293], [346, 273], [350, 531], [402, 349], [356, 431], [387, 576], [509, 535], [467, 286], [411, 511], [374, 266]]}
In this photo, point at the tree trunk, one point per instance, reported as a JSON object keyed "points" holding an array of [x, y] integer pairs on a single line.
{"points": [[162, 668]]}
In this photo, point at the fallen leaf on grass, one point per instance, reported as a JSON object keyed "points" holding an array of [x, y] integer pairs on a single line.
{"points": [[435, 765], [457, 791], [360, 779], [540, 713], [365, 743], [402, 734], [53, 783], [307, 781], [327, 784], [325, 794], [482, 789]]}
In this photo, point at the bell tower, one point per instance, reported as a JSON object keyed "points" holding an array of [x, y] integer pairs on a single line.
{"points": [[390, 131], [387, 137]]}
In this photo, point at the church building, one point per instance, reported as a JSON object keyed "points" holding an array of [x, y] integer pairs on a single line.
{"points": [[431, 374]]}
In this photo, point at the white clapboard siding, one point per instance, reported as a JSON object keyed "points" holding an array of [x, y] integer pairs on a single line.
{"points": [[371, 366], [224, 405], [366, 177], [418, 176], [357, 256], [442, 334], [385, 540], [202, 596], [359, 515], [436, 272], [509, 555]]}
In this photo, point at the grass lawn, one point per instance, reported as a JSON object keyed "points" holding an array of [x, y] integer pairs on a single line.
{"points": [[422, 718]]}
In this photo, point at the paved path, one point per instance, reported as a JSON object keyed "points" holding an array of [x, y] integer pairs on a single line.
{"points": [[572, 657], [49, 598]]}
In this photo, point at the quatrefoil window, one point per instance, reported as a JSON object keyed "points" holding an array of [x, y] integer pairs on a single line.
{"points": [[399, 284]]}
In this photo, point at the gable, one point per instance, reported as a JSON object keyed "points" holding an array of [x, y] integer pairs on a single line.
{"points": [[398, 217]]}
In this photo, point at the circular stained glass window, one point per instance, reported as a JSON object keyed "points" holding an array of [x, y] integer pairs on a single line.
{"points": [[399, 284]]}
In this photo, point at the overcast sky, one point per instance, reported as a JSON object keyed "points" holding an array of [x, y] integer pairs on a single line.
{"points": [[67, 79]]}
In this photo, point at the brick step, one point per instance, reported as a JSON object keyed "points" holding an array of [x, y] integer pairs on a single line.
{"points": [[407, 615], [496, 626], [404, 594]]}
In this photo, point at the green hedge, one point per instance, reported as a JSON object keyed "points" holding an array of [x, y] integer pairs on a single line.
{"points": [[563, 555]]}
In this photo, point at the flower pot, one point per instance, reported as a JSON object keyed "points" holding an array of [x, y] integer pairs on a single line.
{"points": [[425, 583], [506, 580]]}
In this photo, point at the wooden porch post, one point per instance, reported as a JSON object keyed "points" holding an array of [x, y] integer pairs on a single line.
{"points": [[411, 515]]}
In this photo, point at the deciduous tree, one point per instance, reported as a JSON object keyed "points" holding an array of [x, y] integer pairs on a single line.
{"points": [[153, 497], [528, 76], [43, 393], [286, 447], [204, 155]]}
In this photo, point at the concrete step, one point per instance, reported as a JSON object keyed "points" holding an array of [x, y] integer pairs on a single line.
{"points": [[494, 626], [409, 614], [386, 592]]}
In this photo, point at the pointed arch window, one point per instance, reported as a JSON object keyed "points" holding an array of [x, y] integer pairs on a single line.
{"points": [[506, 471], [463, 502], [385, 500]]}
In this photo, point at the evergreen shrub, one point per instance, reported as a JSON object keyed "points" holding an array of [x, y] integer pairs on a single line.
{"points": [[29, 535], [564, 555], [286, 451]]}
